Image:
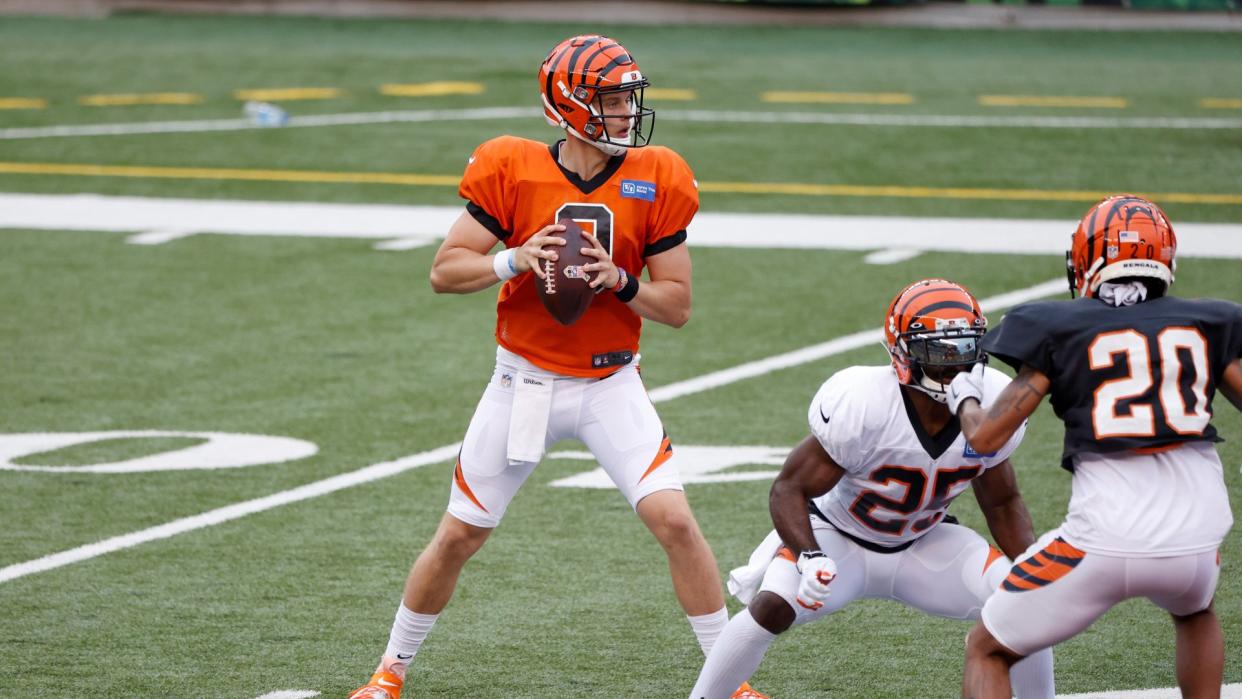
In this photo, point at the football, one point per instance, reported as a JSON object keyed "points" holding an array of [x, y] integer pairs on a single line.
{"points": [[564, 289]]}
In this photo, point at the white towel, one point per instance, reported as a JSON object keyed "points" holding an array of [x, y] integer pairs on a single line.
{"points": [[1123, 293], [744, 582], [528, 420]]}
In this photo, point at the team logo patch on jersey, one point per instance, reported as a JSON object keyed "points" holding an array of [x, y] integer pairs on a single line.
{"points": [[970, 453], [637, 189]]}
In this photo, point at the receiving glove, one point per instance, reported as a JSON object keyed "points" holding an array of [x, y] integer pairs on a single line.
{"points": [[817, 571], [967, 384]]}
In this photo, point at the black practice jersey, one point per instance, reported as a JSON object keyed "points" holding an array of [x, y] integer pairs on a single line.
{"points": [[1133, 377]]}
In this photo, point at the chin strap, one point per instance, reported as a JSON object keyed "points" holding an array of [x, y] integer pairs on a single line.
{"points": [[605, 146], [924, 384]]}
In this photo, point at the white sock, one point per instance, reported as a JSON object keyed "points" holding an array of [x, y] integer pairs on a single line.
{"points": [[735, 656], [409, 630], [707, 627], [1031, 677]]}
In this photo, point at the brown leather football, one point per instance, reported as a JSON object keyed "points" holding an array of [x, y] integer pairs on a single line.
{"points": [[564, 290]]}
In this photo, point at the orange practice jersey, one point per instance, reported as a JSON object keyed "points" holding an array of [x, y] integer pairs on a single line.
{"points": [[638, 206]]}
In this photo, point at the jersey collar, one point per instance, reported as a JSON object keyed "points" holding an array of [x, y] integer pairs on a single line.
{"points": [[935, 445], [586, 186]]}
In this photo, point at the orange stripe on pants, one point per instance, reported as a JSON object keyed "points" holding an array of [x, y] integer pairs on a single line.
{"points": [[663, 454], [461, 483]]}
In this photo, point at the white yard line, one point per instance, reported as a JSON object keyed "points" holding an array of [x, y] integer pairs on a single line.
{"points": [[697, 115], [444, 453], [203, 125], [1228, 691], [230, 512], [950, 120], [422, 225], [839, 345]]}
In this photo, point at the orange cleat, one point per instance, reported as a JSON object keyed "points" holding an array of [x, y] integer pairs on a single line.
{"points": [[748, 692], [385, 685]]}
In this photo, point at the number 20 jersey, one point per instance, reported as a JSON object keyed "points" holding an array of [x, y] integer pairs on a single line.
{"points": [[638, 206], [1133, 377], [899, 481]]}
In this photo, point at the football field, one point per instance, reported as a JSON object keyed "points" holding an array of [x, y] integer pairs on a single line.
{"points": [[230, 400]]}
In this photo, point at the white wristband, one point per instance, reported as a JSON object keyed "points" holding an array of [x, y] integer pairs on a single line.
{"points": [[503, 265]]}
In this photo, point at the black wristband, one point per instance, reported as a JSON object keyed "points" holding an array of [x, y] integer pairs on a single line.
{"points": [[630, 290]]}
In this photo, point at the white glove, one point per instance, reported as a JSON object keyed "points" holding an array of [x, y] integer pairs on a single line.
{"points": [[967, 384], [817, 571]]}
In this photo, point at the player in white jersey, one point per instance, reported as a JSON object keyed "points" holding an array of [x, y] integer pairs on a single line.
{"points": [[1131, 371], [884, 459]]}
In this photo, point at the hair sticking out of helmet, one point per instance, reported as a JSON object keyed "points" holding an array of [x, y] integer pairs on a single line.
{"points": [[592, 88], [932, 332], [1122, 237]]}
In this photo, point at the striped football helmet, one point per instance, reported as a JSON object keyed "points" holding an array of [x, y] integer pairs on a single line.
{"points": [[932, 332], [1123, 236], [576, 78]]}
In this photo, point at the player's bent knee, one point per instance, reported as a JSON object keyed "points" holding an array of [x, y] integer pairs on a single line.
{"points": [[981, 643], [1204, 614], [456, 539], [671, 522], [678, 531], [772, 612]]}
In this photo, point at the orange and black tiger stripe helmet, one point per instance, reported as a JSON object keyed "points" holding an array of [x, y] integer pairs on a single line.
{"points": [[1123, 236], [576, 73], [932, 331]]}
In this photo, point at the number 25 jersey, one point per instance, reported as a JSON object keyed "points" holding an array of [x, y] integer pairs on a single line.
{"points": [[639, 205], [898, 480], [1133, 377]]}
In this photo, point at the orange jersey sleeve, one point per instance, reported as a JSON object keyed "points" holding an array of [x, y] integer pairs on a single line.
{"points": [[675, 207], [487, 185], [638, 206]]}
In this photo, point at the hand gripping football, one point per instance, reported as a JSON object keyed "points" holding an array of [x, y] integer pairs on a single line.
{"points": [[563, 290]]}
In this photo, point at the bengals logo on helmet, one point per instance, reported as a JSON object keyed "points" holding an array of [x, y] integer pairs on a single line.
{"points": [[932, 332], [574, 79], [1123, 236]]}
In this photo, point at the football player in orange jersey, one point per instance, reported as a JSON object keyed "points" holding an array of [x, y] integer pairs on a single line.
{"points": [[581, 381], [1132, 372]]}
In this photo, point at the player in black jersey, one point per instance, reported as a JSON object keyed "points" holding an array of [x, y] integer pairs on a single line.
{"points": [[1132, 373]]}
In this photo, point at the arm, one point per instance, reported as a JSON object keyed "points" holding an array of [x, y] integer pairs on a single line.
{"points": [[987, 431], [665, 298], [808, 473], [462, 265], [1231, 383], [1008, 519]]}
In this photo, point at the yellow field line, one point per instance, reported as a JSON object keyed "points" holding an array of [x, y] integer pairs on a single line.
{"points": [[433, 89], [1215, 103], [22, 103], [419, 180], [838, 97], [285, 94], [1051, 101], [142, 98], [673, 94]]}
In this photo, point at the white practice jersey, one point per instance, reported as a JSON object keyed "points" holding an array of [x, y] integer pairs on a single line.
{"points": [[899, 480]]}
